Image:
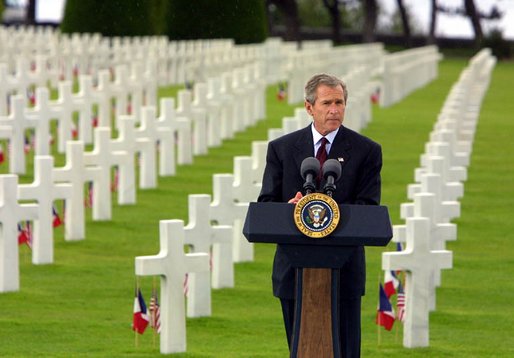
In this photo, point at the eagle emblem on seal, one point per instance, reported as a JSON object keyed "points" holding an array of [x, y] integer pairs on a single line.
{"points": [[317, 215]]}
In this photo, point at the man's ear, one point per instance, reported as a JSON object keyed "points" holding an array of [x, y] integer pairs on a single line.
{"points": [[308, 107]]}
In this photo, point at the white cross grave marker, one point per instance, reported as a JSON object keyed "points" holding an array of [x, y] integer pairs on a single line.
{"points": [[44, 191], [226, 211], [10, 214], [202, 236], [419, 261], [76, 173], [172, 265]]}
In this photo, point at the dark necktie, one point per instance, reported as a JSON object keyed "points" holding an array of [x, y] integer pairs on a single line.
{"points": [[321, 155]]}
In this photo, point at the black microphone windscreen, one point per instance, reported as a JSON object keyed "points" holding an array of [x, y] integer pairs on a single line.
{"points": [[332, 167], [309, 165]]}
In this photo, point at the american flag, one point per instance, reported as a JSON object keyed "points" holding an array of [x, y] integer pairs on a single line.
{"points": [[27, 145], [25, 234], [155, 313], [400, 304], [114, 185], [88, 201]]}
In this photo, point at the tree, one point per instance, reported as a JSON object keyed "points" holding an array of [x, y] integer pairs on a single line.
{"points": [[242, 20], [405, 23], [433, 19], [289, 10], [30, 17], [370, 20], [109, 18], [471, 11], [335, 15], [475, 16]]}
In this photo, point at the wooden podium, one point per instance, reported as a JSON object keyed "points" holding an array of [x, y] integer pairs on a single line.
{"points": [[317, 262]]}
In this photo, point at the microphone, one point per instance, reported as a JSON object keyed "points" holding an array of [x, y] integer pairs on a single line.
{"points": [[331, 173], [309, 169]]}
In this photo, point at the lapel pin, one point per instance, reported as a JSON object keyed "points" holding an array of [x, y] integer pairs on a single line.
{"points": [[340, 159]]}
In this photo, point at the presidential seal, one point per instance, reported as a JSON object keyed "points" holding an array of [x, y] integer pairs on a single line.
{"points": [[316, 215]]}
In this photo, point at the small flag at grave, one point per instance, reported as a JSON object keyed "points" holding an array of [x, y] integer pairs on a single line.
{"points": [[74, 130], [94, 121], [114, 185], [26, 145], [375, 96], [281, 94], [2, 155], [400, 303], [56, 219], [141, 319], [385, 314], [155, 312], [25, 234], [390, 283], [88, 201]]}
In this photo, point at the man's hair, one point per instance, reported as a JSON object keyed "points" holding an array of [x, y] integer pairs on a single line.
{"points": [[323, 79]]}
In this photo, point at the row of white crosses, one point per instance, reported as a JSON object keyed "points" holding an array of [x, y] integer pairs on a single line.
{"points": [[214, 229], [63, 57], [67, 183], [405, 71], [436, 191]]}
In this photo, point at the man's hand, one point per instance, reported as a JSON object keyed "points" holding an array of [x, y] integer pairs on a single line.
{"points": [[297, 197]]}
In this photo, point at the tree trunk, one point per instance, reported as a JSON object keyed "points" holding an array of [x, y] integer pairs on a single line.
{"points": [[433, 20], [471, 11], [370, 20], [30, 17], [335, 16], [405, 23]]}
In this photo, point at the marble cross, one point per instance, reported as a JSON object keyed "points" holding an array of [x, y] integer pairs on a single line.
{"points": [[172, 265], [11, 212], [45, 192], [225, 210], [202, 236], [419, 262]]}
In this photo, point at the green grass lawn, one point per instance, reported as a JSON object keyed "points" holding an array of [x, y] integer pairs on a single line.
{"points": [[81, 306]]}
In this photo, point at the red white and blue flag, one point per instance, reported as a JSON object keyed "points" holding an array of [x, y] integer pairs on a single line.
{"points": [[400, 304], [141, 318], [25, 234], [385, 314], [155, 313], [56, 219], [390, 283]]}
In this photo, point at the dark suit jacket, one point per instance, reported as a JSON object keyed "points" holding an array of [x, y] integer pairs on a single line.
{"points": [[359, 184]]}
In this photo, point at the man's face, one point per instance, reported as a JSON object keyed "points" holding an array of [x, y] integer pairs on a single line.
{"points": [[328, 109]]}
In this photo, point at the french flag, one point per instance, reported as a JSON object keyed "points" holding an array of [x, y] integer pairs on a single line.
{"points": [[56, 219], [385, 314], [390, 283], [141, 318]]}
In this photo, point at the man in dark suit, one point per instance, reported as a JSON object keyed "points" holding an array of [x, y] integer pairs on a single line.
{"points": [[361, 162]]}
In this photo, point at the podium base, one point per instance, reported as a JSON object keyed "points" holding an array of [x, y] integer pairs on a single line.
{"points": [[316, 322]]}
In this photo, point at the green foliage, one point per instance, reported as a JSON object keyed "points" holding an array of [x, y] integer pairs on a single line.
{"points": [[242, 20], [500, 47], [110, 18]]}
